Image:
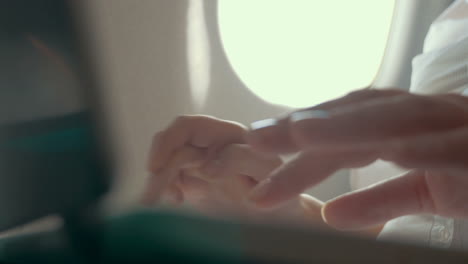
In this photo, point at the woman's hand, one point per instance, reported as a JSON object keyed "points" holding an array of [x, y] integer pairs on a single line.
{"points": [[427, 134], [200, 160], [188, 141]]}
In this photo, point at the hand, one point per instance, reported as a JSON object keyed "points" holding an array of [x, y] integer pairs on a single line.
{"points": [[199, 164], [174, 149], [427, 134]]}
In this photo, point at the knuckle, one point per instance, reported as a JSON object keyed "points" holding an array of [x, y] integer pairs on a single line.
{"points": [[157, 136], [189, 118], [156, 142], [182, 119], [188, 121], [183, 122]]}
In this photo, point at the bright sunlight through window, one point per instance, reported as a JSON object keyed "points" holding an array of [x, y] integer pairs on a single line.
{"points": [[302, 52]]}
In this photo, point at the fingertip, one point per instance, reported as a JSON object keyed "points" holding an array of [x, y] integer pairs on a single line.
{"points": [[263, 124], [258, 139], [312, 208], [344, 215], [262, 132], [272, 138], [310, 127], [311, 204]]}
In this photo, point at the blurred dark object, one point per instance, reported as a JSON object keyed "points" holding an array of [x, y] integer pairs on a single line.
{"points": [[51, 161], [50, 158]]}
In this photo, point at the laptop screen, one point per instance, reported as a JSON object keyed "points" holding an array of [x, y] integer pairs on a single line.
{"points": [[50, 160]]}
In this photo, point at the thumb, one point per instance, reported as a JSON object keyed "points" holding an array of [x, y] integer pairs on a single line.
{"points": [[398, 196]]}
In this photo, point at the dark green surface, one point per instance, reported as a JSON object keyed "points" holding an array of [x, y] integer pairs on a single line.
{"points": [[49, 166], [162, 237]]}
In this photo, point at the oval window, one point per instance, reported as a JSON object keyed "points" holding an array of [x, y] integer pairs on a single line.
{"points": [[302, 52]]}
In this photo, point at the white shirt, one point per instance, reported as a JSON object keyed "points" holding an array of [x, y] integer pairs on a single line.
{"points": [[441, 68]]}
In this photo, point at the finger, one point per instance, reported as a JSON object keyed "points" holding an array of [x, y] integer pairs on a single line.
{"points": [[435, 151], [241, 159], [198, 131], [158, 182], [313, 212], [273, 135], [197, 185], [446, 151], [304, 171], [379, 119], [193, 183], [302, 210], [403, 195]]}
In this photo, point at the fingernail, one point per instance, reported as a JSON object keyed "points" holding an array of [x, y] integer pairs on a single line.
{"points": [[322, 211], [262, 132], [259, 192], [310, 204], [308, 114], [263, 124]]}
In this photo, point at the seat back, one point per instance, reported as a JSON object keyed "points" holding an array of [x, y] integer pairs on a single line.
{"points": [[50, 159]]}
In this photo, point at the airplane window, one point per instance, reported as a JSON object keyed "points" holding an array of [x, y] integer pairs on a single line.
{"points": [[301, 52]]}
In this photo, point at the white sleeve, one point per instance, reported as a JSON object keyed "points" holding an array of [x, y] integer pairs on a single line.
{"points": [[422, 230]]}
